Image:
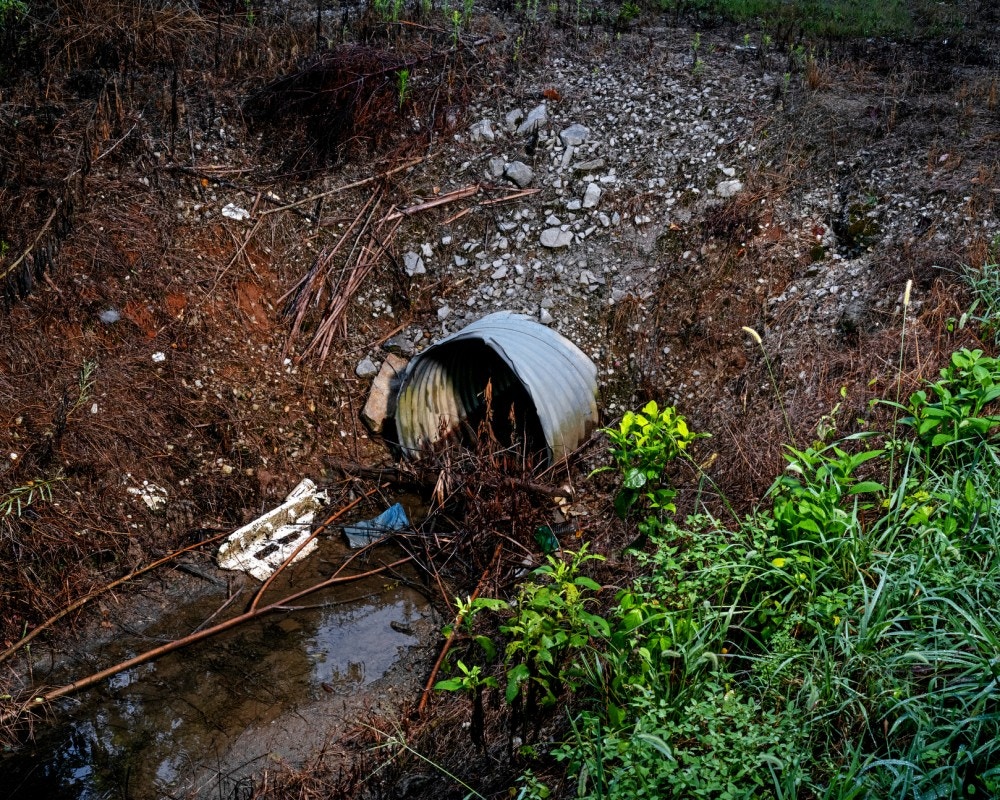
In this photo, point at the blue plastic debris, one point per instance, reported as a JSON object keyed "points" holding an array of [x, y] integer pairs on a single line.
{"points": [[364, 533]]}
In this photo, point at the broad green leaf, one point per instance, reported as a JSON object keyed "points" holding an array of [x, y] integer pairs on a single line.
{"points": [[624, 500], [488, 646], [635, 478], [808, 525], [515, 678], [657, 743], [866, 486]]}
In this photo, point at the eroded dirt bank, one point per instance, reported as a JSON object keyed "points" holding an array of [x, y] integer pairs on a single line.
{"points": [[645, 195]]}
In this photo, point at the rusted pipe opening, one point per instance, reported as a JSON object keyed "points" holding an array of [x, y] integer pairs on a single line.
{"points": [[481, 382]]}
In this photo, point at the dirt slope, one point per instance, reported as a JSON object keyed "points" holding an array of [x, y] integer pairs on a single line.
{"points": [[171, 178]]}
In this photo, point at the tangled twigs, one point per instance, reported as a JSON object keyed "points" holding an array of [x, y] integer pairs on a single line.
{"points": [[454, 631], [98, 592], [313, 198], [367, 235], [37, 700]]}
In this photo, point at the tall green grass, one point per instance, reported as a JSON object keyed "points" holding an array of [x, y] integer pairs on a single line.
{"points": [[834, 18], [841, 641]]}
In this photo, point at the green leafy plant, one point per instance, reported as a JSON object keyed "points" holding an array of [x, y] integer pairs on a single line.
{"points": [[839, 642], [629, 11], [951, 418], [15, 501], [695, 47], [10, 11], [984, 282], [531, 788], [716, 745], [403, 86], [467, 611], [642, 446], [551, 624], [471, 681], [819, 494]]}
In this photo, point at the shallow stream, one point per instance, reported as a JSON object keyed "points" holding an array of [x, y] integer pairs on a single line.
{"points": [[198, 722]]}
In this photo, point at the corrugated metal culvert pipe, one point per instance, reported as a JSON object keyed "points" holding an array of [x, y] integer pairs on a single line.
{"points": [[548, 380]]}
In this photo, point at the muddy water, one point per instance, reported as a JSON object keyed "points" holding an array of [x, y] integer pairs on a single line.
{"points": [[200, 722]]}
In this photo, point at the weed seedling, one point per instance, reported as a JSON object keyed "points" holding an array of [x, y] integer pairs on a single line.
{"points": [[403, 86]]}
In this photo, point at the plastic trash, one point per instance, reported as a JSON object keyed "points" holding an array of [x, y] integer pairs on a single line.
{"points": [[266, 543], [361, 534], [232, 211], [546, 539]]}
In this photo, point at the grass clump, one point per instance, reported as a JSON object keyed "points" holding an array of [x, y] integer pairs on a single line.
{"points": [[985, 285], [843, 640], [834, 19]]}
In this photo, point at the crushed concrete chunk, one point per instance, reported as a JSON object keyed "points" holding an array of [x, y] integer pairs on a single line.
{"points": [[377, 406]]}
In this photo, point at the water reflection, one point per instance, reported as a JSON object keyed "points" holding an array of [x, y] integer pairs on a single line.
{"points": [[171, 728]]}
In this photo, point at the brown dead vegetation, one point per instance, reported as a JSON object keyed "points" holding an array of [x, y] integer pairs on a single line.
{"points": [[125, 97]]}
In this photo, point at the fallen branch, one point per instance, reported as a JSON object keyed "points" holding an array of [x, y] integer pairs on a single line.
{"points": [[456, 216], [346, 187], [30, 248], [40, 699], [454, 631], [490, 202], [451, 197], [508, 197], [78, 604]]}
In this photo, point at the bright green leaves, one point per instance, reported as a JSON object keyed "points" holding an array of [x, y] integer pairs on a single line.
{"points": [[646, 442], [642, 446], [950, 417], [471, 680], [551, 626], [818, 496], [635, 478]]}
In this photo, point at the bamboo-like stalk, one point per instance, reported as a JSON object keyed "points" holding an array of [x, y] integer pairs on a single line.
{"points": [[38, 700], [454, 631]]}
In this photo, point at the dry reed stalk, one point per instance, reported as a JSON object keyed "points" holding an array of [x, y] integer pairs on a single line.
{"points": [[37, 700], [309, 290], [451, 197], [365, 260], [454, 631]]}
